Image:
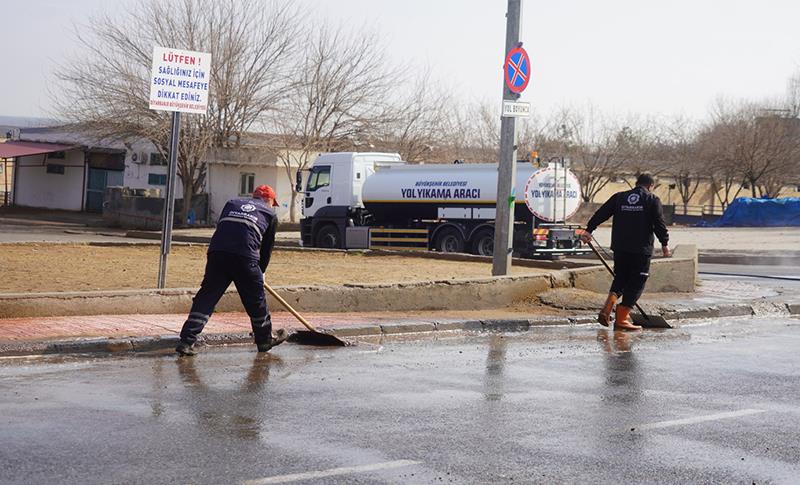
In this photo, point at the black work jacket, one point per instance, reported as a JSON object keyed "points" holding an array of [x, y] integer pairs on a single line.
{"points": [[246, 227], [637, 215]]}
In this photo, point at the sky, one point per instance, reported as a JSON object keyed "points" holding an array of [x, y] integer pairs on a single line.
{"points": [[623, 56]]}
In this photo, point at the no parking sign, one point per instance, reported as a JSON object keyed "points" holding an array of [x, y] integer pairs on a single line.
{"points": [[517, 70]]}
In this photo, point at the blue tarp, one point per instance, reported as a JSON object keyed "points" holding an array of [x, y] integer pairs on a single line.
{"points": [[749, 212]]}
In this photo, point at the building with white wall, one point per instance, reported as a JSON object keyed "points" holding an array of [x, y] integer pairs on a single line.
{"points": [[235, 172], [142, 165], [79, 179]]}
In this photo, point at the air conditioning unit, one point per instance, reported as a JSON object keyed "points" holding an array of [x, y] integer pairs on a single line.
{"points": [[139, 157]]}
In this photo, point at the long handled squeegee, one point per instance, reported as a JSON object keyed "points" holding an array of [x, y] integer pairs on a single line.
{"points": [[643, 319], [312, 336]]}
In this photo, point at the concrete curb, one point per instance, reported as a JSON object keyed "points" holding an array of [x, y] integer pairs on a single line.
{"points": [[164, 342]]}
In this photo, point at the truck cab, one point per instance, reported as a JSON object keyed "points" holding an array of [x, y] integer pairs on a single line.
{"points": [[332, 195]]}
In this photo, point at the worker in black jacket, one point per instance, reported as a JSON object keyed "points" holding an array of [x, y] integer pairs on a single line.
{"points": [[637, 215], [239, 252]]}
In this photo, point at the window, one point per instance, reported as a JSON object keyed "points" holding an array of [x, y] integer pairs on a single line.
{"points": [[1, 169], [157, 179], [56, 156], [318, 178], [247, 183], [55, 168], [157, 159]]}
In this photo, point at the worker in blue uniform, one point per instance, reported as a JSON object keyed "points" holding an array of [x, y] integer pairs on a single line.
{"points": [[239, 252]]}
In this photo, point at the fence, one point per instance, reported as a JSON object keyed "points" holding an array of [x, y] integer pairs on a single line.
{"points": [[123, 209], [698, 210]]}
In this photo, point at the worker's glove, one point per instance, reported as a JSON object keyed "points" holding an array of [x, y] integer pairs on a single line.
{"points": [[666, 252]]}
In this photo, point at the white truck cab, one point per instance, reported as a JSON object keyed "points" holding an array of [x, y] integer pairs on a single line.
{"points": [[333, 192]]}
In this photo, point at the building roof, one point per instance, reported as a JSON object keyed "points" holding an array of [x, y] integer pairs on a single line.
{"points": [[70, 134], [14, 149]]}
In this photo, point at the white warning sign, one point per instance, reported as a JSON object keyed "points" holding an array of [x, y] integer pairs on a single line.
{"points": [[180, 80]]}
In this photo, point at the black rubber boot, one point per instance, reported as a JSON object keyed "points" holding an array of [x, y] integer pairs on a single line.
{"points": [[280, 337], [185, 349]]}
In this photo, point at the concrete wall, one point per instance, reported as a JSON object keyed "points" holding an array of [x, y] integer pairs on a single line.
{"points": [[224, 181], [122, 209], [37, 188]]}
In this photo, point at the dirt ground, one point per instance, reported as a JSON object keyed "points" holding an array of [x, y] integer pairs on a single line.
{"points": [[43, 267]]}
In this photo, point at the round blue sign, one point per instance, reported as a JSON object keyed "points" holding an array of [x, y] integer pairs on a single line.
{"points": [[517, 69]]}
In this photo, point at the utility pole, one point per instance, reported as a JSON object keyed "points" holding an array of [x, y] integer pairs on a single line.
{"points": [[507, 167]]}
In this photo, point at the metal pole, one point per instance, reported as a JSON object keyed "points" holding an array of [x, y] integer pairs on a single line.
{"points": [[5, 183], [507, 167], [555, 191], [169, 199], [564, 214]]}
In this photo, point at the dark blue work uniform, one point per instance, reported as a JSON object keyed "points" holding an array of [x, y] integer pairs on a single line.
{"points": [[239, 252], [638, 214]]}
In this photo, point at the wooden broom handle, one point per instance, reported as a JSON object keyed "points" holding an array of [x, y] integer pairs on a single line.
{"points": [[289, 307]]}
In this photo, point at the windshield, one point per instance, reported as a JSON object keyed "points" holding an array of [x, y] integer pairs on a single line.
{"points": [[319, 177]]}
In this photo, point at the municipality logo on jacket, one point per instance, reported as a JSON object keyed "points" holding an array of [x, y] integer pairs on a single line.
{"points": [[248, 208], [633, 203]]}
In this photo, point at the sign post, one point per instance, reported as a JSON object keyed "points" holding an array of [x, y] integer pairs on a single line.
{"points": [[517, 72], [178, 83]]}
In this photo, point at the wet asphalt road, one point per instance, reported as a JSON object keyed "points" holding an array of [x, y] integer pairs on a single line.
{"points": [[785, 279], [710, 402]]}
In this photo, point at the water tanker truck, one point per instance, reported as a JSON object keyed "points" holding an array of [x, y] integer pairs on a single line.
{"points": [[376, 200]]}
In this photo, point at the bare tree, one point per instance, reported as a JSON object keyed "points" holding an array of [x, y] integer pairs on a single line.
{"points": [[250, 44], [764, 142], [598, 148], [417, 119], [682, 159], [458, 135], [471, 133], [337, 99], [717, 146]]}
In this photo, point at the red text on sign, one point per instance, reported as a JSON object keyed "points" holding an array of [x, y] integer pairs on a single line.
{"points": [[179, 58]]}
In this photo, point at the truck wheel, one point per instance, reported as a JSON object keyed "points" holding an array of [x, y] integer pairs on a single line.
{"points": [[483, 244], [450, 241], [328, 237]]}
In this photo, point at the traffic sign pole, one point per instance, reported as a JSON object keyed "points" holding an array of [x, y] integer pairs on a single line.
{"points": [[507, 168], [169, 200]]}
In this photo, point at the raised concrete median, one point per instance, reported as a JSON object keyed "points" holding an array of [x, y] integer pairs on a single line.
{"points": [[677, 274]]}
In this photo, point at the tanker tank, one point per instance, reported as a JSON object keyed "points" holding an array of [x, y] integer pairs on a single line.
{"points": [[401, 193]]}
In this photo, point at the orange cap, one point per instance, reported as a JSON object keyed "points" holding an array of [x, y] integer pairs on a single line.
{"points": [[266, 192]]}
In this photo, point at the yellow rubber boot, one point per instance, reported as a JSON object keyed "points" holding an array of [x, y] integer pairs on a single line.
{"points": [[604, 317], [623, 321]]}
